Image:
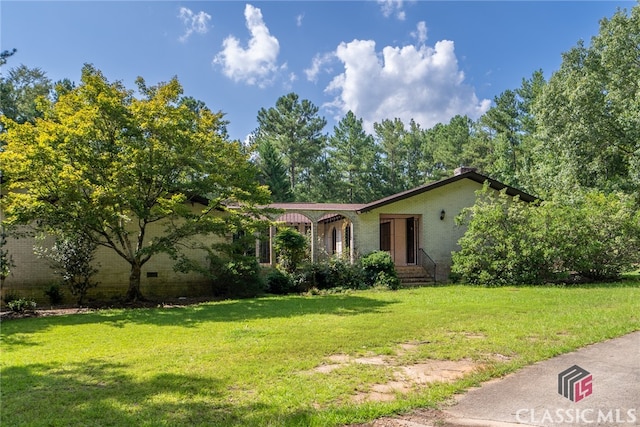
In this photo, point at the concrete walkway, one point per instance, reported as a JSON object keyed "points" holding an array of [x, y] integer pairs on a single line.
{"points": [[530, 397]]}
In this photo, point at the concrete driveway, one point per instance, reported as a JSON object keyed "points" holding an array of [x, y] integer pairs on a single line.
{"points": [[601, 383]]}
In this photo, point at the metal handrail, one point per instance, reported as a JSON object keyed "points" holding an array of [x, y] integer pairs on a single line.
{"points": [[427, 263]]}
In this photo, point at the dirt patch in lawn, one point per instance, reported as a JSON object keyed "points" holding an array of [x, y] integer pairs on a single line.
{"points": [[406, 377]]}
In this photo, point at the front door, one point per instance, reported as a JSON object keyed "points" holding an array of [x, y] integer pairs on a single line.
{"points": [[399, 237], [385, 236], [411, 240]]}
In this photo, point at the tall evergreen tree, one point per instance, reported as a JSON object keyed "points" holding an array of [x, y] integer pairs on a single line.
{"points": [[390, 138], [295, 130], [355, 160], [273, 173]]}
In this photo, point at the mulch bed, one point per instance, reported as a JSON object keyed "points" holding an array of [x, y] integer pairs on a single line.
{"points": [[6, 314]]}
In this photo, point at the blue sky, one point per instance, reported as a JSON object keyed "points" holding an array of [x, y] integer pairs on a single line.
{"points": [[426, 60]]}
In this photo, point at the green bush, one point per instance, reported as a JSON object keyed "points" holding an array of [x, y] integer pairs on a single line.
{"points": [[337, 272], [22, 305], [379, 270], [279, 283], [594, 236], [55, 294], [290, 247], [238, 276], [72, 258], [230, 272]]}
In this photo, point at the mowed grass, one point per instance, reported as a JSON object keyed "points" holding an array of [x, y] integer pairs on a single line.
{"points": [[250, 362]]}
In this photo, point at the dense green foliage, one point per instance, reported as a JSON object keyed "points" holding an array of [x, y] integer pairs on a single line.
{"points": [[290, 247], [595, 237], [21, 305], [334, 273], [380, 270]]}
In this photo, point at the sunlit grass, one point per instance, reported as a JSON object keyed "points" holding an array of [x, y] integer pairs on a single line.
{"points": [[250, 362]]}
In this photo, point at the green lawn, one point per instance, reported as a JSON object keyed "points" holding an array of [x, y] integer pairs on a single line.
{"points": [[250, 362]]}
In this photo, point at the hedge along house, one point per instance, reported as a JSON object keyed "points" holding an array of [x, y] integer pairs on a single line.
{"points": [[417, 227]]}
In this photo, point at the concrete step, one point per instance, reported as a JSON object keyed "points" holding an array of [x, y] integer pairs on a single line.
{"points": [[413, 276]]}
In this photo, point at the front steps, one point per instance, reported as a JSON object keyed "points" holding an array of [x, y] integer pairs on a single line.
{"points": [[413, 276]]}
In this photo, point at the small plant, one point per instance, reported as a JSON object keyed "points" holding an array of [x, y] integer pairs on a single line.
{"points": [[6, 260], [22, 305], [379, 270], [55, 294], [71, 257], [290, 247]]}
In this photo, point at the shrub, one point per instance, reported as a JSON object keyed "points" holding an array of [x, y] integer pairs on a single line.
{"points": [[595, 236], [55, 294], [22, 305], [71, 257], [334, 273], [500, 246], [279, 282], [236, 276], [290, 248], [379, 270]]}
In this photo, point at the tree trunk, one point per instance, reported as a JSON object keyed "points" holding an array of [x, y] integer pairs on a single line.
{"points": [[133, 293]]}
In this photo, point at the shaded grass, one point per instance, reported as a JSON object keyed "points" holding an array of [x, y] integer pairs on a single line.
{"points": [[249, 362]]}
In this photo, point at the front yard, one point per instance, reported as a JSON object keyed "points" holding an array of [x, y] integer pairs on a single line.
{"points": [[295, 360]]}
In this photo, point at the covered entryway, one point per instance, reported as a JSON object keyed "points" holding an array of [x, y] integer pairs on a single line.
{"points": [[399, 235], [331, 229]]}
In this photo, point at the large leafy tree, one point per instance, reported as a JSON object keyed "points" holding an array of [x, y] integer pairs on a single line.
{"points": [[107, 165], [20, 89], [589, 113], [295, 129]]}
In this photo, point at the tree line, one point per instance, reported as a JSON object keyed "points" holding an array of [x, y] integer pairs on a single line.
{"points": [[578, 130]]}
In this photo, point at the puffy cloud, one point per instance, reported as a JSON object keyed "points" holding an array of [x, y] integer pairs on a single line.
{"points": [[193, 22], [257, 63], [390, 7], [299, 19], [421, 83]]}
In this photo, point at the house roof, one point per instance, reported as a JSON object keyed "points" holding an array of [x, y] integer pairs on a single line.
{"points": [[318, 206], [365, 207], [470, 174]]}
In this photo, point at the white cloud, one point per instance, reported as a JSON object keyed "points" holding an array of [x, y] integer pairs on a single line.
{"points": [[319, 64], [194, 22], [421, 83], [420, 33], [257, 63], [390, 7], [299, 19]]}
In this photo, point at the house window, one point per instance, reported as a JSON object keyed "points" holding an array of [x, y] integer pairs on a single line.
{"points": [[265, 250], [347, 237], [385, 236]]}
